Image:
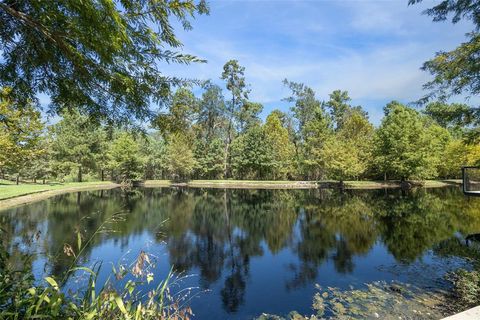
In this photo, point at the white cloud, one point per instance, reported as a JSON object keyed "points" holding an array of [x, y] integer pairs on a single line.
{"points": [[373, 49]]}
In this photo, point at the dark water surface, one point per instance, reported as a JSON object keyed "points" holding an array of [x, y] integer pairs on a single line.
{"points": [[252, 251]]}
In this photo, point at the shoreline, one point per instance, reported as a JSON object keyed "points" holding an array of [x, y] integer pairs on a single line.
{"points": [[38, 195], [35, 196], [258, 184]]}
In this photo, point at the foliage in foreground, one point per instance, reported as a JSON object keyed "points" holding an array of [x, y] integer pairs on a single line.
{"points": [[22, 298], [102, 57]]}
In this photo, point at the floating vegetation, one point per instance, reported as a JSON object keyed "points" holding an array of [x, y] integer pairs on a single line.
{"points": [[379, 300]]}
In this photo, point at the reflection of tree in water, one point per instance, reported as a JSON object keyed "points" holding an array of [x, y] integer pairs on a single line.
{"points": [[226, 228], [412, 224], [458, 247], [218, 231], [337, 228], [56, 222]]}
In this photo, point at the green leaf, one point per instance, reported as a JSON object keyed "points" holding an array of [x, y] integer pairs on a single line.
{"points": [[79, 240], [121, 306], [52, 282]]}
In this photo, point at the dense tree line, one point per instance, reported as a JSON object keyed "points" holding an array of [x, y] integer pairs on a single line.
{"points": [[220, 135], [99, 82]]}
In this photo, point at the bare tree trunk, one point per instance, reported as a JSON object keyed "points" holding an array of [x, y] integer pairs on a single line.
{"points": [[103, 175], [79, 174], [17, 179], [43, 181]]}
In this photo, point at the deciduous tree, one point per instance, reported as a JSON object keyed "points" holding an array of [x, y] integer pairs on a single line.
{"points": [[180, 157], [408, 145], [283, 150], [103, 57], [20, 133]]}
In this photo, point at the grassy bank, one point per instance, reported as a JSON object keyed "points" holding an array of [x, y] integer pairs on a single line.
{"points": [[9, 189], [396, 184], [246, 184], [12, 195], [295, 184]]}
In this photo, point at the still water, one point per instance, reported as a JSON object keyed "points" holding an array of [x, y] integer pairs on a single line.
{"points": [[246, 252]]}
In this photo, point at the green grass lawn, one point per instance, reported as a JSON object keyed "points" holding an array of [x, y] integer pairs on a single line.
{"points": [[9, 189]]}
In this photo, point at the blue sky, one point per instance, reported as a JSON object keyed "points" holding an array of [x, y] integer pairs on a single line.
{"points": [[372, 49]]}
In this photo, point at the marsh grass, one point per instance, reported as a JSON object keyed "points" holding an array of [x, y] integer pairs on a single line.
{"points": [[21, 297]]}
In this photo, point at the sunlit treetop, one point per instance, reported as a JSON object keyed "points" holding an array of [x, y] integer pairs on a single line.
{"points": [[101, 56]]}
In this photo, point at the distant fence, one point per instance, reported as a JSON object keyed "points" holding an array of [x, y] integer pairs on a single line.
{"points": [[471, 181]]}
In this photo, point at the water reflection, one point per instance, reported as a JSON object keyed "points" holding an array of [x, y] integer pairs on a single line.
{"points": [[218, 233]]}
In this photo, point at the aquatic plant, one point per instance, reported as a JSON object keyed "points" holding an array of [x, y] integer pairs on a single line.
{"points": [[378, 300], [22, 298]]}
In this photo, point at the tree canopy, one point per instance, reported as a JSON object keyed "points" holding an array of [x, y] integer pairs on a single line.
{"points": [[455, 72], [102, 57]]}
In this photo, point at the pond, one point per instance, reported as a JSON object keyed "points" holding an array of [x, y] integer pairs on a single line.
{"points": [[246, 252]]}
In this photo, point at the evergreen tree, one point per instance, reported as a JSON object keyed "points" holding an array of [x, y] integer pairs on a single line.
{"points": [[316, 132], [125, 158], [248, 115], [181, 114], [233, 75], [76, 145], [283, 150], [338, 107], [40, 165], [306, 107], [210, 159], [212, 118], [154, 152], [252, 156]]}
